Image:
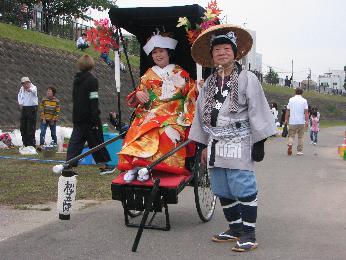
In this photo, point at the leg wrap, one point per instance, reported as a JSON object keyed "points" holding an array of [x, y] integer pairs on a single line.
{"points": [[248, 209], [231, 210]]}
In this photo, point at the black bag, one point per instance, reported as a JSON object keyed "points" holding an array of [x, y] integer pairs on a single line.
{"points": [[284, 131]]}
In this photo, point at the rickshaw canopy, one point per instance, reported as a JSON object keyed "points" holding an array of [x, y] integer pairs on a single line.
{"points": [[144, 21]]}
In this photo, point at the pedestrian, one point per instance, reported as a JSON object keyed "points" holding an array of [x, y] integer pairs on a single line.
{"points": [[232, 120], [275, 112], [283, 115], [24, 16], [87, 126], [28, 101], [82, 43], [50, 109], [317, 112], [297, 117], [314, 129]]}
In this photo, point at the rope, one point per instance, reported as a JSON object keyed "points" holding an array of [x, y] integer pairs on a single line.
{"points": [[31, 159], [127, 59]]}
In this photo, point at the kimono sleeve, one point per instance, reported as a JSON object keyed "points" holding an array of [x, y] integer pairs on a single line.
{"points": [[260, 117], [197, 133], [190, 93]]}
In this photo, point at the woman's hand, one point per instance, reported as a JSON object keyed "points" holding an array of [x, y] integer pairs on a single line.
{"points": [[142, 96]]}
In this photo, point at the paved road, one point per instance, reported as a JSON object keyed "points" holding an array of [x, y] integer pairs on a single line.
{"points": [[302, 215]]}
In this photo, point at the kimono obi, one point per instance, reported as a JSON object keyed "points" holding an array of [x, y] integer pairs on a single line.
{"points": [[235, 131]]}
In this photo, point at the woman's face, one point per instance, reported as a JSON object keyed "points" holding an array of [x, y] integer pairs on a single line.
{"points": [[160, 57], [222, 54]]}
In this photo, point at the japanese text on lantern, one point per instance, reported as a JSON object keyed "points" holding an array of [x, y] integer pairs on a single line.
{"points": [[68, 190]]}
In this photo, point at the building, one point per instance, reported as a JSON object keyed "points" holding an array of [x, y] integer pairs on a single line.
{"points": [[253, 60], [332, 82]]}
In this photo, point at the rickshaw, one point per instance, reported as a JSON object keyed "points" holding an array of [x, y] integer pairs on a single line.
{"points": [[154, 195], [163, 188]]}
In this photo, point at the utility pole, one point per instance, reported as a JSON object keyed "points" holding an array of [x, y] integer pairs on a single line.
{"points": [[309, 77], [292, 75]]}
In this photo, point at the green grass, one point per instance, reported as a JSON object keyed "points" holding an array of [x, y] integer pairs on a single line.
{"points": [[24, 182], [330, 123], [307, 94], [15, 33]]}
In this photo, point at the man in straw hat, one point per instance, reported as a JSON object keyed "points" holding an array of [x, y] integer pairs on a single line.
{"points": [[232, 120]]}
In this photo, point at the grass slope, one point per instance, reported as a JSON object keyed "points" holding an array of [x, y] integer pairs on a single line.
{"points": [[307, 94], [40, 39]]}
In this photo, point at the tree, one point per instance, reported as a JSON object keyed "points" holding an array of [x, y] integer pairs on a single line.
{"points": [[75, 9], [271, 77]]}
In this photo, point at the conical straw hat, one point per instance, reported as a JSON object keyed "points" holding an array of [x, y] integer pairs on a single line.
{"points": [[201, 47]]}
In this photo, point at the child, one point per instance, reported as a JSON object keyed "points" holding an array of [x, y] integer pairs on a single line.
{"points": [[82, 43], [50, 110], [105, 57], [314, 127]]}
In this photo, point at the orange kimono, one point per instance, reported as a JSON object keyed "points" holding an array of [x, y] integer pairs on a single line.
{"points": [[162, 122]]}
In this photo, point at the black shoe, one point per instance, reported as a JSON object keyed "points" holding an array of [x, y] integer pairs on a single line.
{"points": [[247, 242], [107, 170], [227, 236]]}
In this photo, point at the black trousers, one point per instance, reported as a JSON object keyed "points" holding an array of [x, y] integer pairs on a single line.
{"points": [[28, 125], [84, 133]]}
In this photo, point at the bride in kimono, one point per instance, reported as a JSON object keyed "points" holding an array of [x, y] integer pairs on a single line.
{"points": [[164, 101]]}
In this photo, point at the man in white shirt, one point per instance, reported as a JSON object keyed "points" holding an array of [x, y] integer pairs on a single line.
{"points": [[82, 43], [297, 117], [28, 101]]}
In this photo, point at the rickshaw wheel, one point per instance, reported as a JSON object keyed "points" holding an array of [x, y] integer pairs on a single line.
{"points": [[204, 198]]}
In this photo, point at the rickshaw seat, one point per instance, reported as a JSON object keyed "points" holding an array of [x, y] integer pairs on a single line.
{"points": [[167, 180]]}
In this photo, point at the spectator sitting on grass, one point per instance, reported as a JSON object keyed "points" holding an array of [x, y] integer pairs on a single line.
{"points": [[105, 57], [82, 43]]}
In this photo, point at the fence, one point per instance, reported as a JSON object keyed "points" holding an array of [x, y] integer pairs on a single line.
{"points": [[34, 18]]}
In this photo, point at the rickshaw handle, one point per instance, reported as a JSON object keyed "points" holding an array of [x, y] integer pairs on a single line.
{"points": [[94, 149], [164, 157]]}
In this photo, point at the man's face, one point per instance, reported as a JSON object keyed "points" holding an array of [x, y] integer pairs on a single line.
{"points": [[26, 84], [222, 54], [160, 57]]}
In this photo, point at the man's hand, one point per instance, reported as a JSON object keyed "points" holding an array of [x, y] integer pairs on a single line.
{"points": [[142, 96], [204, 157], [200, 83], [257, 152]]}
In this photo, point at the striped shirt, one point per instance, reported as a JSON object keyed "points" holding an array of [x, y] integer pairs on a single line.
{"points": [[50, 109]]}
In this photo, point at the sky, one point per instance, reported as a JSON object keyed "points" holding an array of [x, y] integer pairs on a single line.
{"points": [[312, 33]]}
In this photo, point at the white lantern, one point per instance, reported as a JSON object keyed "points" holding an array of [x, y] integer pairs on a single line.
{"points": [[67, 188]]}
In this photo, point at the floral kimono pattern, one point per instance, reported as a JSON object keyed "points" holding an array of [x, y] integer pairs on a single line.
{"points": [[162, 122]]}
